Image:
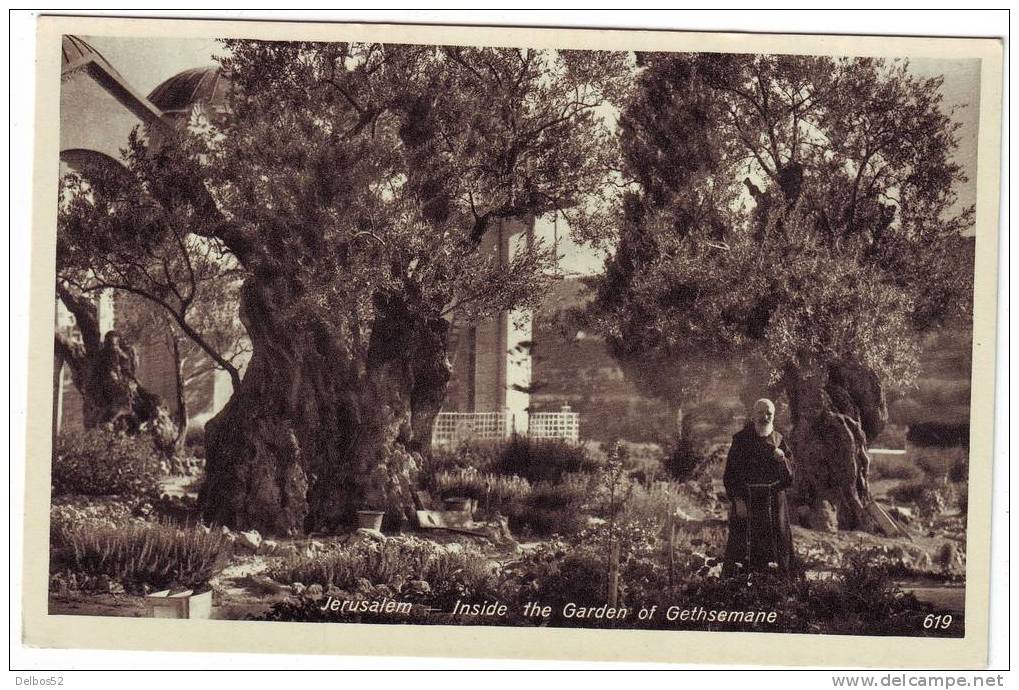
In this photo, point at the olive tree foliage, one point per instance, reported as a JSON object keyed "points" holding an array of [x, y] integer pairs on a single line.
{"points": [[353, 186], [797, 217], [113, 239], [214, 318], [402, 158], [113, 234]]}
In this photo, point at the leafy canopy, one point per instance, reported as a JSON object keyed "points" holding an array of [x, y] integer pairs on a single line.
{"points": [[114, 235], [345, 178], [367, 173], [799, 210]]}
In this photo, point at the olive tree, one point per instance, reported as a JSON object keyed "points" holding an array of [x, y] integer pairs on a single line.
{"points": [[353, 185], [796, 217]]}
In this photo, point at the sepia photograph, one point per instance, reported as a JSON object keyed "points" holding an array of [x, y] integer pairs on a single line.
{"points": [[631, 334]]}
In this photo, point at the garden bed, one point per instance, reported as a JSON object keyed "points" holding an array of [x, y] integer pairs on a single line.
{"points": [[568, 519]]}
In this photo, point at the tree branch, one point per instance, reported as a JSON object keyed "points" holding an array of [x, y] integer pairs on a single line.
{"points": [[86, 316], [181, 321]]}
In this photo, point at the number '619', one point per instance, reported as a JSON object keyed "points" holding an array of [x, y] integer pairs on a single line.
{"points": [[937, 621]]}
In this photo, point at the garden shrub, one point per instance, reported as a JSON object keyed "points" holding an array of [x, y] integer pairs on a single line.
{"points": [[962, 500], [142, 554], [643, 564], [938, 434], [480, 455], [571, 490], [936, 463], [575, 570], [557, 572], [653, 502], [543, 459], [909, 492], [392, 563], [685, 458], [195, 440], [544, 522], [187, 465], [76, 511], [959, 471], [892, 467], [863, 599], [699, 549], [638, 498], [643, 461], [493, 492], [98, 462], [541, 485], [460, 575], [930, 496], [554, 507], [452, 572], [860, 599]]}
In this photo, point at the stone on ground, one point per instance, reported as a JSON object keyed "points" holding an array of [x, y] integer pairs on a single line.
{"points": [[250, 540], [823, 518]]}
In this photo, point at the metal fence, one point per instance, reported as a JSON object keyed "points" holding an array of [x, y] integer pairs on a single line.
{"points": [[453, 428], [563, 424]]}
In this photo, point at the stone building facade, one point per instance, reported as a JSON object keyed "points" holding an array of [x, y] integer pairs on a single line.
{"points": [[492, 359]]}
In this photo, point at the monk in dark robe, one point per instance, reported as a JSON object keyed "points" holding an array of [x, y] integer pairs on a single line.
{"points": [[757, 473]]}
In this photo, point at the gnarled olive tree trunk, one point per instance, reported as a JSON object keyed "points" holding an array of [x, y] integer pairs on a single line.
{"points": [[318, 428], [431, 370], [837, 409], [103, 370]]}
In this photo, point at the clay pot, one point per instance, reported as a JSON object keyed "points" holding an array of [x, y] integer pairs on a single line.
{"points": [[370, 519]]}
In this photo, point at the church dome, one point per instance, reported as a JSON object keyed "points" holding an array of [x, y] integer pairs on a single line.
{"points": [[203, 86], [76, 52]]}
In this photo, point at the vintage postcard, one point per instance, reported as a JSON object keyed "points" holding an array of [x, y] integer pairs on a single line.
{"points": [[507, 342]]}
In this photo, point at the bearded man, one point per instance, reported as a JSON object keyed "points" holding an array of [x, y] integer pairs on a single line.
{"points": [[757, 473]]}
